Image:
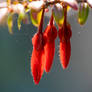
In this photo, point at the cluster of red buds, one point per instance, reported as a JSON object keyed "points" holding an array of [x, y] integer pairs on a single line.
{"points": [[44, 41]]}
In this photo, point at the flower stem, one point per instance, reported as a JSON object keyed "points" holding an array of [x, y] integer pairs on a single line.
{"points": [[51, 20], [65, 16], [41, 22]]}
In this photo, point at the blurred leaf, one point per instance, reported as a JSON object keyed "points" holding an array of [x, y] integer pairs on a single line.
{"points": [[20, 18], [27, 9], [83, 13], [35, 17], [30, 0], [8, 2], [10, 23], [15, 2], [68, 7]]}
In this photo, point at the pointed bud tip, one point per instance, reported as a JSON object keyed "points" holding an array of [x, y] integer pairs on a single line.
{"points": [[36, 82], [64, 66], [47, 70]]}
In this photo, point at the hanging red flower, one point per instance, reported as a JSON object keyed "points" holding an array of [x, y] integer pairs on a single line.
{"points": [[50, 34], [37, 58], [65, 45], [37, 63]]}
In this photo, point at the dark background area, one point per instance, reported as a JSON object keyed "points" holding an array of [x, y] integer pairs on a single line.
{"points": [[15, 53]]}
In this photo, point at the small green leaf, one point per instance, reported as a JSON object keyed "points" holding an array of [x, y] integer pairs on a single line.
{"points": [[20, 18], [35, 17], [83, 13], [10, 23]]}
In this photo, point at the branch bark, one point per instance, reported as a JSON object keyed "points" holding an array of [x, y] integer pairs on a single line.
{"points": [[4, 4]]}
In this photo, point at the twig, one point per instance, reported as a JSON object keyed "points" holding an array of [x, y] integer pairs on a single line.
{"points": [[47, 3]]}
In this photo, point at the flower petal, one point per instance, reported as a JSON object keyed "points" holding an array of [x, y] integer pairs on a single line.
{"points": [[20, 18], [71, 3], [35, 17], [3, 15], [83, 13], [36, 5], [10, 23], [3, 4], [58, 14], [90, 3], [18, 8]]}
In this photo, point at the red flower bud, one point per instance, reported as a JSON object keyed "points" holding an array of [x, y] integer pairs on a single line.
{"points": [[50, 34], [37, 63], [65, 45]]}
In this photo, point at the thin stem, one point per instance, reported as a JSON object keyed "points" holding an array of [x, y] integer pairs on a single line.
{"points": [[51, 20], [41, 22], [65, 16], [65, 21], [46, 3]]}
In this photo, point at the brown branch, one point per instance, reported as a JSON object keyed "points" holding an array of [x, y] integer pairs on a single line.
{"points": [[58, 1], [46, 3]]}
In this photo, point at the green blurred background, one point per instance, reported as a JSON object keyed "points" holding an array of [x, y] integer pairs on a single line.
{"points": [[15, 53]]}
